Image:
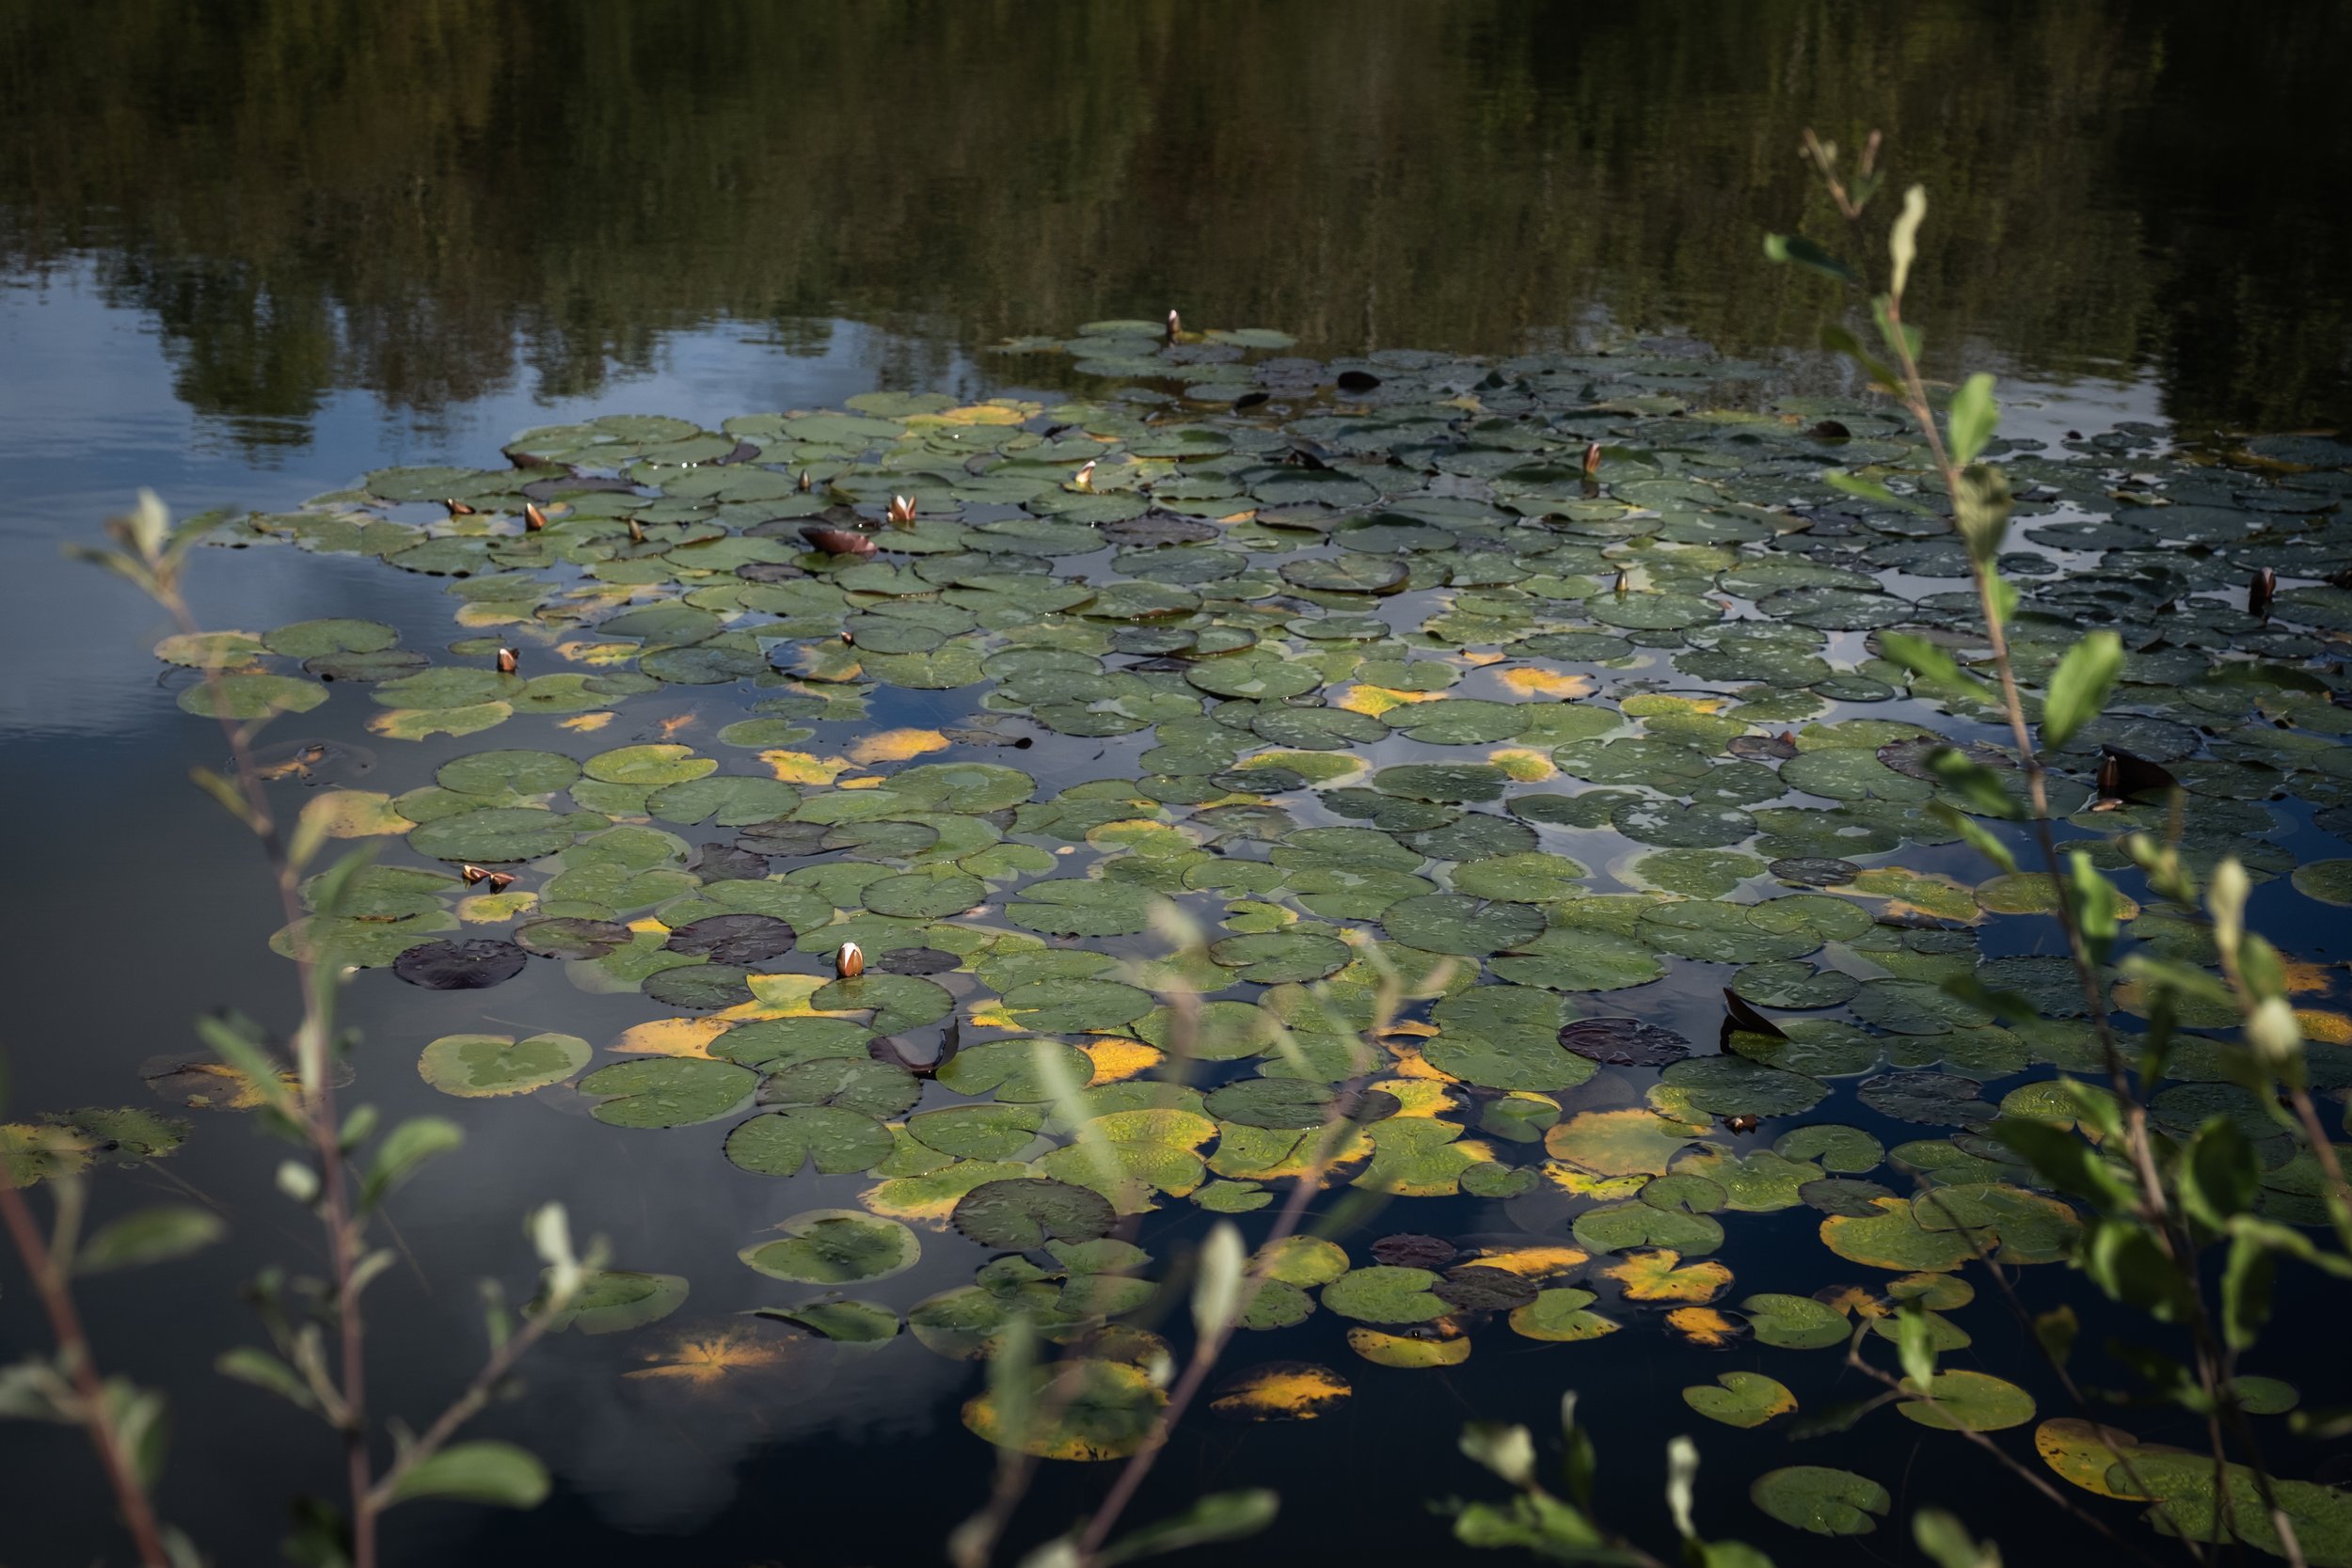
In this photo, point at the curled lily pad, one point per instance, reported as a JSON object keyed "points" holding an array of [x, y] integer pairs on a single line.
{"points": [[475, 965]]}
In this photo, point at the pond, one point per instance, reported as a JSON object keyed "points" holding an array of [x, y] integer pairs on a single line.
{"points": [[1313, 624]]}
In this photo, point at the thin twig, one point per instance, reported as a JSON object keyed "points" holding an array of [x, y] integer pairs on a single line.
{"points": [[73, 1350]]}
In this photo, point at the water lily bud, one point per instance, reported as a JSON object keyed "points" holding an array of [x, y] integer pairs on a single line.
{"points": [[902, 511], [804, 484], [1085, 479], [500, 880], [848, 962], [508, 661], [1175, 326], [459, 509], [473, 874], [636, 531], [1592, 458], [534, 519]]}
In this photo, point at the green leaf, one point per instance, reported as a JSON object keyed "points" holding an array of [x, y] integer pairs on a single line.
{"points": [[1913, 1345], [1507, 1450], [1839, 340], [2058, 1330], [498, 1474], [1974, 782], [1971, 418], [1217, 1286], [237, 1041], [1218, 1516], [254, 1365], [1869, 489], [1796, 249], [2245, 1286], [404, 1151], [1975, 834], [150, 1236], [1945, 1540], [1931, 663], [2079, 686], [1981, 508]]}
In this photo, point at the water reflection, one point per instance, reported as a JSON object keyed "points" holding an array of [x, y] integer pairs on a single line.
{"points": [[437, 203]]}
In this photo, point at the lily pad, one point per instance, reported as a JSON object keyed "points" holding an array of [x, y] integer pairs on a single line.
{"points": [[1740, 1398], [480, 1066], [836, 1246], [1023, 1215], [1822, 1500], [475, 965]]}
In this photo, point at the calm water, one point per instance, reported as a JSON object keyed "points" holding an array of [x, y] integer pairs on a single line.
{"points": [[250, 251]]}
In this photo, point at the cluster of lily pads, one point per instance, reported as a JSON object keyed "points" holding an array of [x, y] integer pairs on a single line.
{"points": [[1371, 669]]}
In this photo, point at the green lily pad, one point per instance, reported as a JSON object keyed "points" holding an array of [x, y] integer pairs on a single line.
{"points": [[613, 1301], [1820, 1500], [1023, 1214], [1382, 1294], [1740, 1398], [836, 1246], [494, 836], [671, 1091], [1559, 1316], [781, 1143], [1795, 1323], [1970, 1401], [479, 1066]]}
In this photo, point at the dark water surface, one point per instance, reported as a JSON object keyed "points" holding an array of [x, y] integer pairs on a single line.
{"points": [[248, 251]]}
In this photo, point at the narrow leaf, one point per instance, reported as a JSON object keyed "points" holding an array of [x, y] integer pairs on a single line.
{"points": [[1218, 1516], [1903, 243], [1216, 1289], [150, 1236], [483, 1471], [254, 1365], [405, 1149], [1802, 252]]}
